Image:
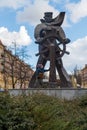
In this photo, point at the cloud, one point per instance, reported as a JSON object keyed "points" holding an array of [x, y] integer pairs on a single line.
{"points": [[31, 11], [78, 53], [15, 4], [77, 10], [21, 37], [34, 12]]}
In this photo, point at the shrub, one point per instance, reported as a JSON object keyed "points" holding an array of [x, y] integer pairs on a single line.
{"points": [[41, 112]]}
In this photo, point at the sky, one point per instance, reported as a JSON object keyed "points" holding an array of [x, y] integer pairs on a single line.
{"points": [[18, 19]]}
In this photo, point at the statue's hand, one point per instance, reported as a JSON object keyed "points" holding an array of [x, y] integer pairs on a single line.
{"points": [[66, 41]]}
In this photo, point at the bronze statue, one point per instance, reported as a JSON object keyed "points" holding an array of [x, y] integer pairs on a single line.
{"points": [[52, 41]]}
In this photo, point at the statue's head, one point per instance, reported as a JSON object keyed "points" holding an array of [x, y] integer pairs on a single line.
{"points": [[48, 17]]}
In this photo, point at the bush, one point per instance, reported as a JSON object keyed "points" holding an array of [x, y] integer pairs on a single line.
{"points": [[41, 112]]}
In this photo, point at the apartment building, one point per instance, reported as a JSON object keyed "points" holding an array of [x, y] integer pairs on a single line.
{"points": [[14, 73], [84, 76]]}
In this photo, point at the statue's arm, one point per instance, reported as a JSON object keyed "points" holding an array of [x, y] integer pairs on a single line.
{"points": [[41, 31], [37, 33], [61, 36]]}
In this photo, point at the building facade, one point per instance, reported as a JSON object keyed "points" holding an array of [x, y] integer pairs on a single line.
{"points": [[84, 76], [14, 73]]}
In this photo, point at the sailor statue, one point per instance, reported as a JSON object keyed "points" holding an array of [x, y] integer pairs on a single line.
{"points": [[52, 42]]}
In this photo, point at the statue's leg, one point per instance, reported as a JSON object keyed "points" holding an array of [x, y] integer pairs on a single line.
{"points": [[33, 80], [64, 77], [42, 61]]}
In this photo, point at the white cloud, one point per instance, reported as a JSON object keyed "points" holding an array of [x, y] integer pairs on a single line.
{"points": [[34, 12], [78, 53], [77, 10], [31, 11], [21, 37], [15, 4]]}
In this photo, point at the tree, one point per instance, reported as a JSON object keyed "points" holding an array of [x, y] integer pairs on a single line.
{"points": [[15, 70]]}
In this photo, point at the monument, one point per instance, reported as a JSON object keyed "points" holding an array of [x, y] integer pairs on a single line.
{"points": [[52, 42]]}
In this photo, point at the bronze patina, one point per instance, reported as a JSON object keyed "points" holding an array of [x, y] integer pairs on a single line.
{"points": [[52, 42]]}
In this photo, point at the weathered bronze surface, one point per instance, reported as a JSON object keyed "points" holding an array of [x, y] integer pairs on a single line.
{"points": [[52, 41]]}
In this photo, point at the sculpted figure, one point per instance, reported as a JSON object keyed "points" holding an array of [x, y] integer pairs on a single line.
{"points": [[49, 34]]}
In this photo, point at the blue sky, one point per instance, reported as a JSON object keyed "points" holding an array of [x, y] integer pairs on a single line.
{"points": [[18, 19]]}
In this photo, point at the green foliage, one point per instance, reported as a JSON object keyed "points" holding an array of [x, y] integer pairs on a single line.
{"points": [[41, 112]]}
